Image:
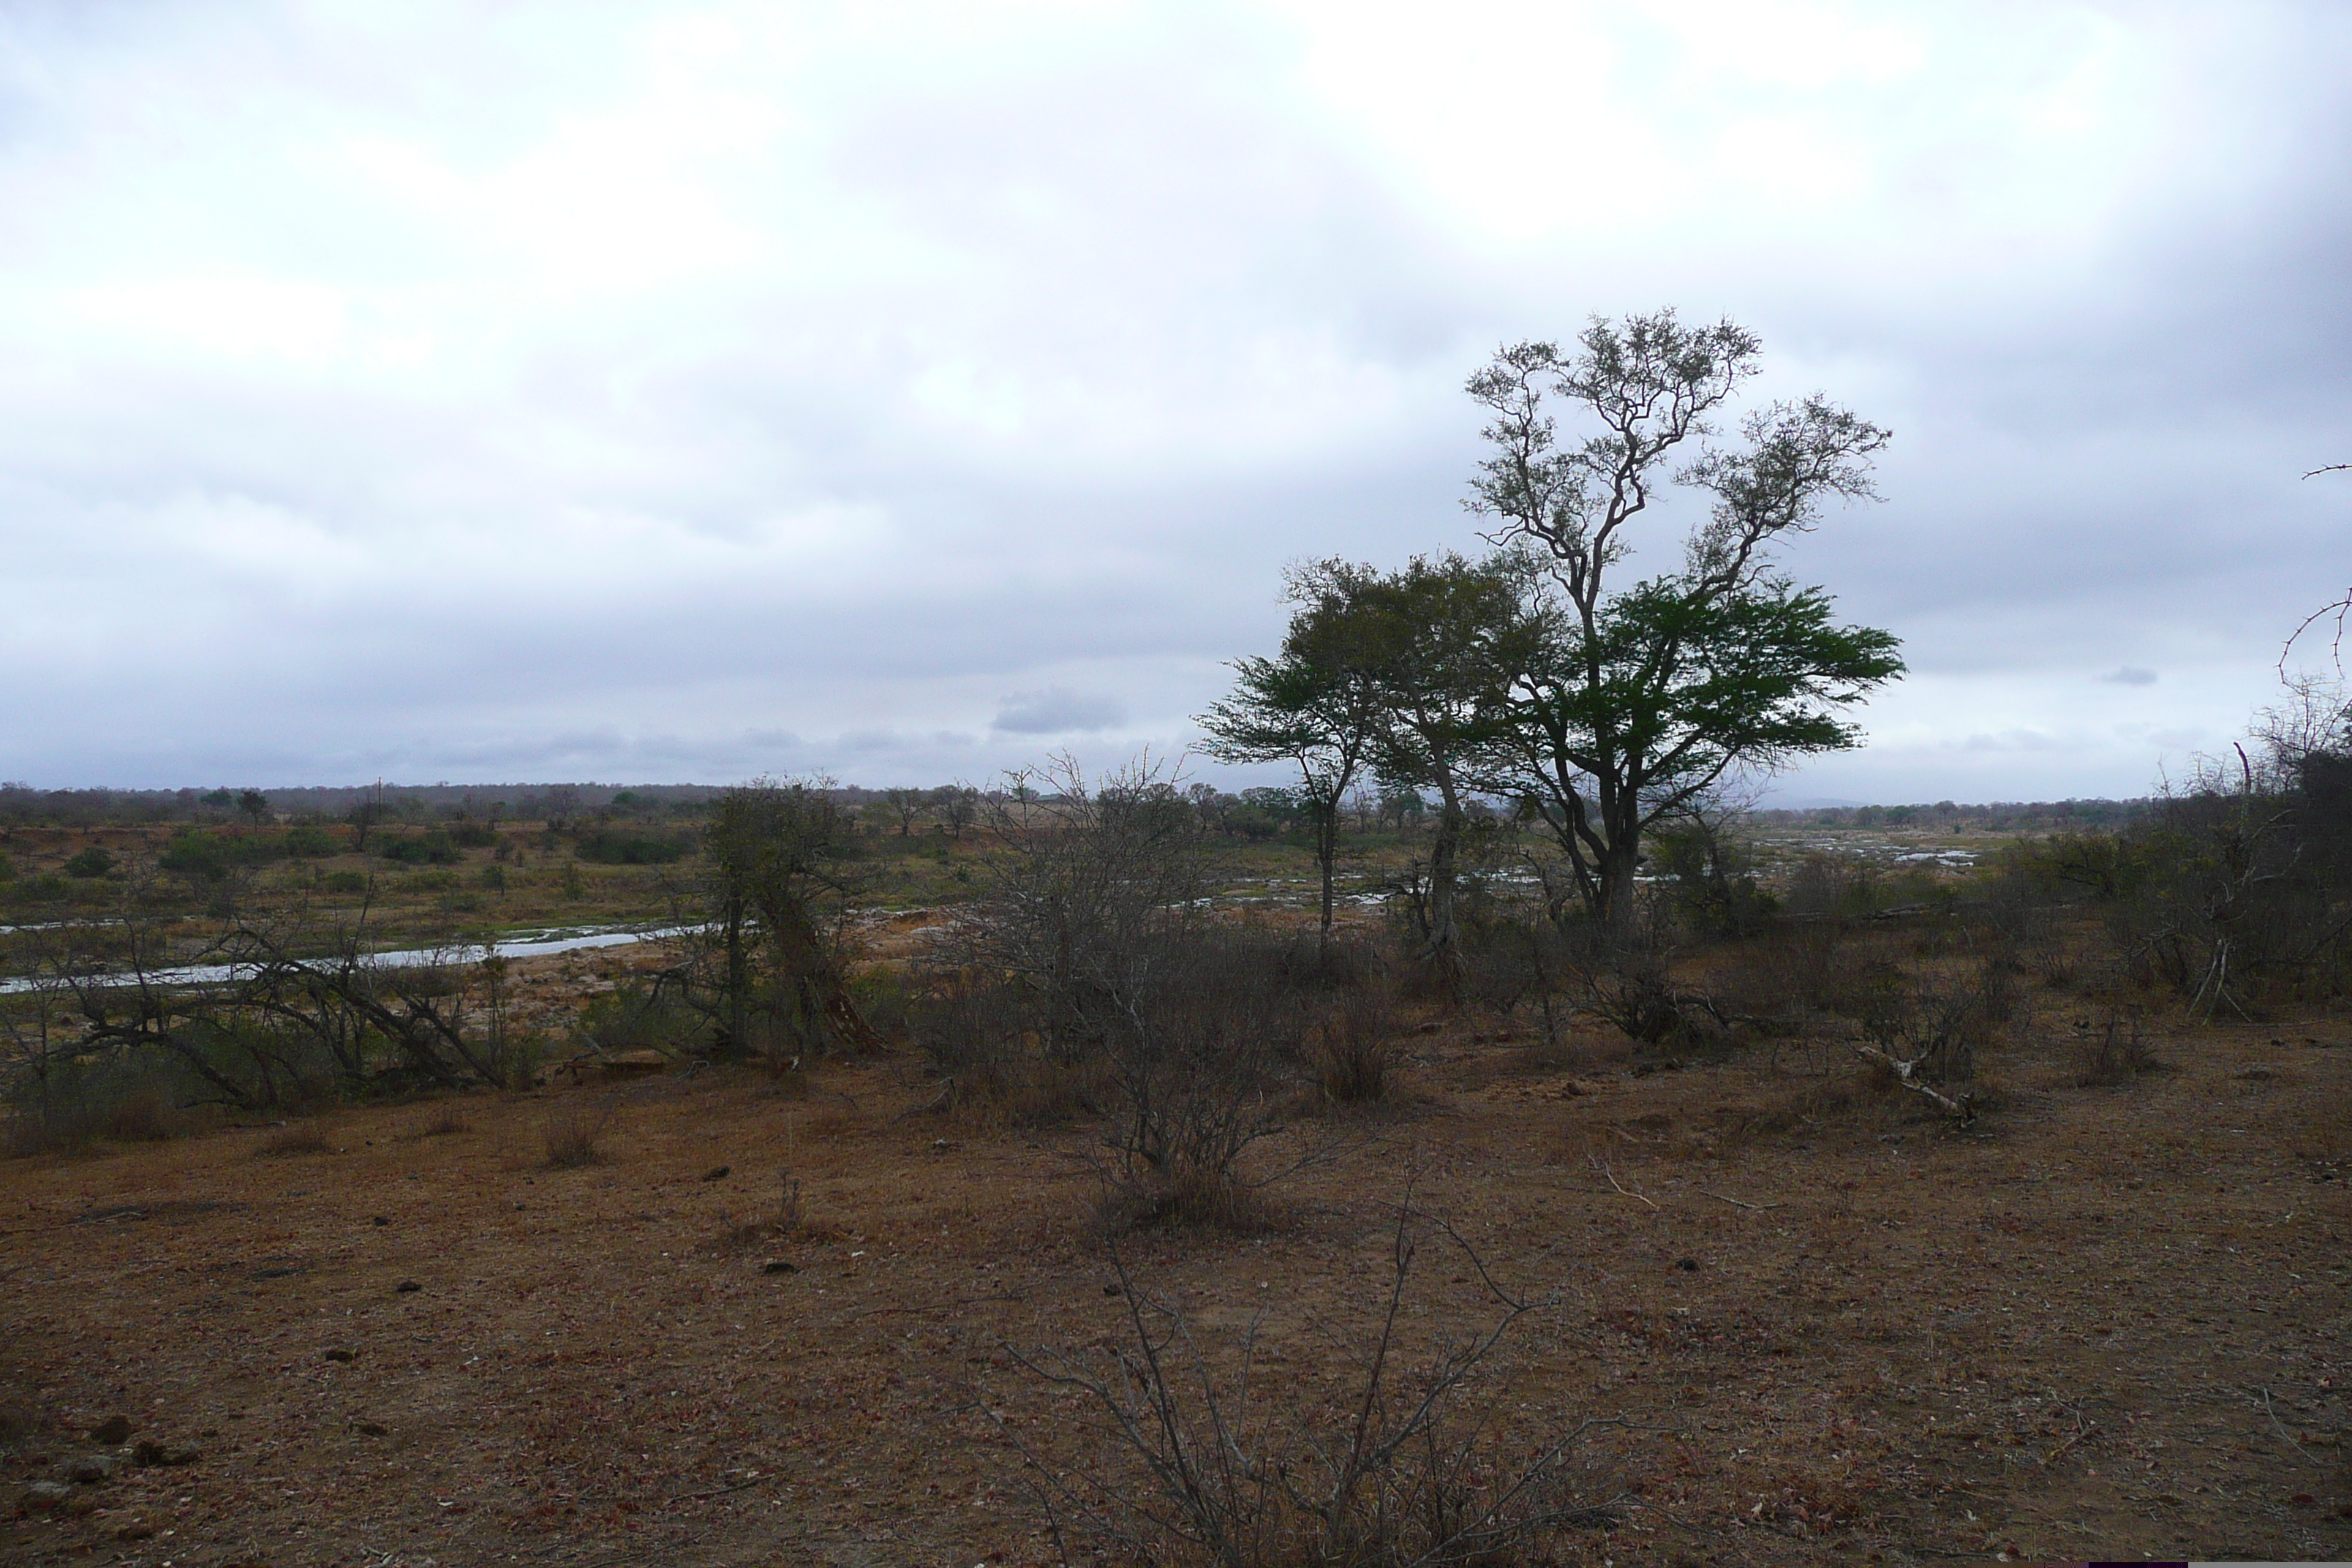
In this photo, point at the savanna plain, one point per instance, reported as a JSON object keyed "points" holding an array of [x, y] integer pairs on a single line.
{"points": [[1903, 1197]]}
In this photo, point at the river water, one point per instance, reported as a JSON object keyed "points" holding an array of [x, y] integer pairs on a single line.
{"points": [[520, 945]]}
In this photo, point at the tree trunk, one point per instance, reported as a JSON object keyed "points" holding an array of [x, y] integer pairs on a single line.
{"points": [[739, 982], [1620, 912], [1444, 933], [1326, 855]]}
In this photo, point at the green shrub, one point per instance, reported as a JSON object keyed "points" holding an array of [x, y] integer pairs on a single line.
{"points": [[309, 843], [632, 1019], [92, 862], [474, 835], [430, 882], [48, 890], [435, 848], [7, 869], [344, 882], [494, 877], [197, 852], [617, 846]]}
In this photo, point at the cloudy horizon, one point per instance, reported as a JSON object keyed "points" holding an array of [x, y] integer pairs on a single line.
{"points": [[684, 391]]}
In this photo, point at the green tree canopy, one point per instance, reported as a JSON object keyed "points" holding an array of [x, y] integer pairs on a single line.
{"points": [[1639, 699]]}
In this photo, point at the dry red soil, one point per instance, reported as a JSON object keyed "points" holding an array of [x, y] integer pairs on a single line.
{"points": [[2100, 1322]]}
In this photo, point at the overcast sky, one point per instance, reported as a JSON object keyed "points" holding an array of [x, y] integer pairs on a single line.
{"points": [[489, 392]]}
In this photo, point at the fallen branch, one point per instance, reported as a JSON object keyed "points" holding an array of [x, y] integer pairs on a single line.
{"points": [[1964, 1108], [716, 1491], [1611, 1175], [2084, 1428], [2288, 1436], [1741, 1202]]}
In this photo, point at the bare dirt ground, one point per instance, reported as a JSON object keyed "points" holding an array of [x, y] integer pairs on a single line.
{"points": [[2100, 1322]]}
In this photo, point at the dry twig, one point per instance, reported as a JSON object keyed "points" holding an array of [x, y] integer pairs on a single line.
{"points": [[1611, 1176]]}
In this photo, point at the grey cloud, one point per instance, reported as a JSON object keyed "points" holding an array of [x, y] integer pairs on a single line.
{"points": [[2130, 675], [1058, 711], [1022, 369]]}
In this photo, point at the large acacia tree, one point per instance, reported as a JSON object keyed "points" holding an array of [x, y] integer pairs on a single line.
{"points": [[1645, 694]]}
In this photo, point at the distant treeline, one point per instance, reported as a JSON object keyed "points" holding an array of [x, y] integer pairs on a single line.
{"points": [[1996, 817], [21, 804]]}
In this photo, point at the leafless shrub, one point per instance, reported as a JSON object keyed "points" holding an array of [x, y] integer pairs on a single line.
{"points": [[1194, 1464], [1938, 1026], [1628, 983], [1092, 974], [787, 1221], [2114, 1050], [1201, 1066], [571, 1130], [1928, 1031]]}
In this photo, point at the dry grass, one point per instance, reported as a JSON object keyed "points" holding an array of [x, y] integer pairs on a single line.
{"points": [[448, 1121], [291, 1141], [1351, 1052], [571, 1131]]}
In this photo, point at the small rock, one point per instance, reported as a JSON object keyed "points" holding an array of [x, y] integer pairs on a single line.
{"points": [[341, 1354], [1570, 1091], [369, 1428], [407, 1287], [134, 1530], [382, 1220], [41, 1496], [778, 1266], [151, 1452], [91, 1470], [114, 1431], [715, 1173], [1688, 1265], [1113, 1290]]}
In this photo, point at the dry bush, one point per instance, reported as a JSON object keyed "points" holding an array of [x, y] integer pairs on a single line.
{"points": [[1936, 1027], [1353, 1049], [1080, 992], [1191, 1464], [448, 1123], [69, 1114], [571, 1130], [300, 1138], [789, 1219], [1148, 1201], [2114, 1050], [145, 1116]]}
